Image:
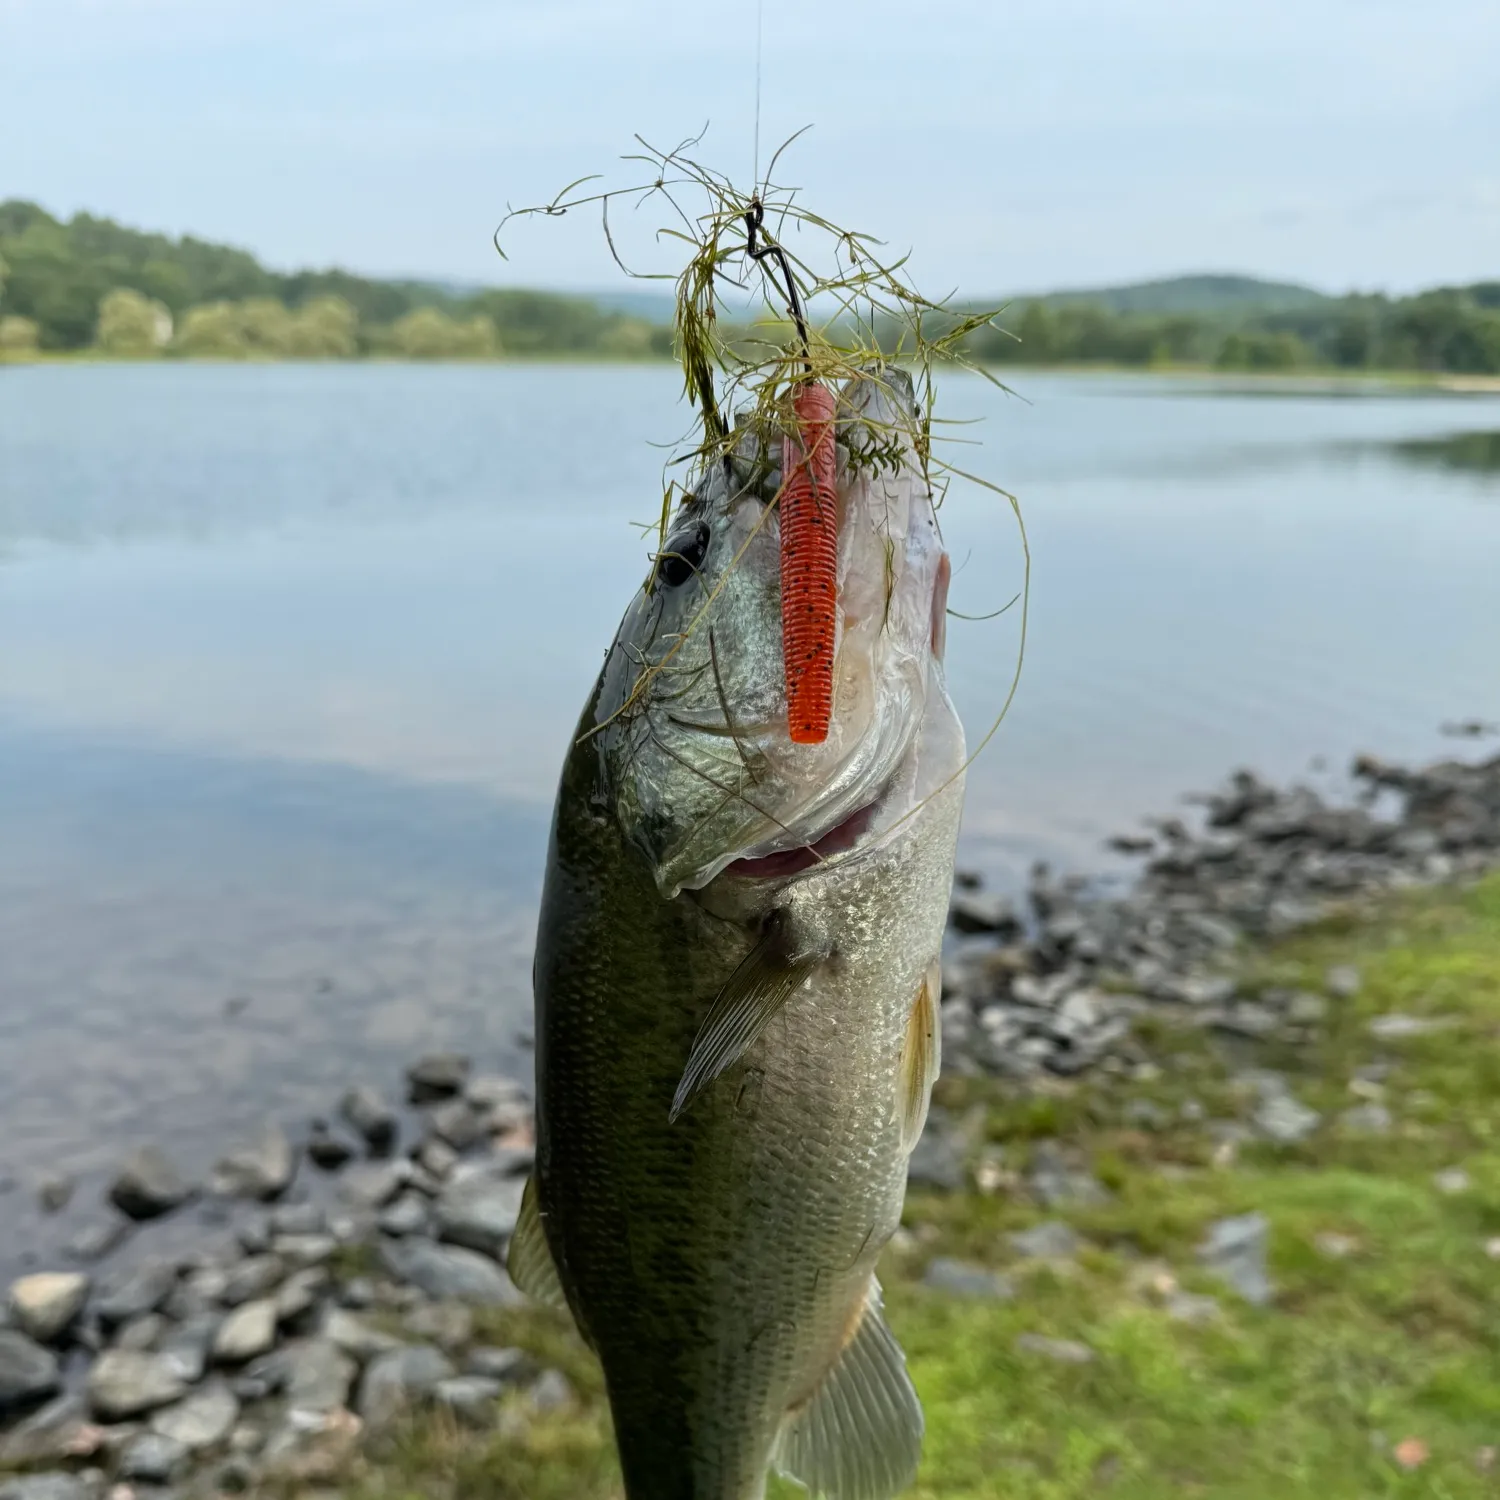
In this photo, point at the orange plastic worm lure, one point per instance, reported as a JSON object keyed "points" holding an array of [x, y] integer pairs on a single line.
{"points": [[809, 563]]}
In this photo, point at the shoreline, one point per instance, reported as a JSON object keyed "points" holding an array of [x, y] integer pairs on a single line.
{"points": [[329, 1283], [1312, 380]]}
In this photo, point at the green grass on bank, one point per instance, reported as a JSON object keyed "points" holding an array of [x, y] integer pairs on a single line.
{"points": [[1383, 1339]]}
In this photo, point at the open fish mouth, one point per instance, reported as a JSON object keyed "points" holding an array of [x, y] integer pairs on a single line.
{"points": [[842, 838]]}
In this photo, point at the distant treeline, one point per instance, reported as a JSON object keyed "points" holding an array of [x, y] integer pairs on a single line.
{"points": [[1453, 329], [93, 284]]}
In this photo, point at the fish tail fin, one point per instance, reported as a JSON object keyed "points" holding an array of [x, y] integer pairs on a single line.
{"points": [[859, 1437]]}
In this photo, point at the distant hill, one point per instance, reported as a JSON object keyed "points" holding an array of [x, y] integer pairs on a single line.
{"points": [[1201, 295]]}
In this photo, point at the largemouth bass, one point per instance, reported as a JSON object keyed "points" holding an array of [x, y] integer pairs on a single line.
{"points": [[737, 988]]}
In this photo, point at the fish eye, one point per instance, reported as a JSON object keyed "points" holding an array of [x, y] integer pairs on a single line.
{"points": [[683, 555]]}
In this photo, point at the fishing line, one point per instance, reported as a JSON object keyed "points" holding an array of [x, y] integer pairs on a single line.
{"points": [[760, 11]]}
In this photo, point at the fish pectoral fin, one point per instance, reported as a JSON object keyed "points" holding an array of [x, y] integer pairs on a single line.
{"points": [[860, 1435], [529, 1259], [921, 1058], [769, 975]]}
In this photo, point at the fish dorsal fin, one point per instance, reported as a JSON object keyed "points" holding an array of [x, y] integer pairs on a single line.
{"points": [[921, 1058], [860, 1435], [529, 1259], [769, 975]]}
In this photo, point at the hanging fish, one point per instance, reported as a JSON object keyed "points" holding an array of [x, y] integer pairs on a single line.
{"points": [[737, 985]]}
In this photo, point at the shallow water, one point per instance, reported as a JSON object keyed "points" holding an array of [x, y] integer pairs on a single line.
{"points": [[289, 657]]}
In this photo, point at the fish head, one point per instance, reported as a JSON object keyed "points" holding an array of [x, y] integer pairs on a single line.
{"points": [[690, 719]]}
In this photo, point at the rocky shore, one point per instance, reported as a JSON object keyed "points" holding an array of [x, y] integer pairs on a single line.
{"points": [[342, 1275]]}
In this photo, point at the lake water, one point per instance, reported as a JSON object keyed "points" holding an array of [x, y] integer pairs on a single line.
{"points": [[289, 657]]}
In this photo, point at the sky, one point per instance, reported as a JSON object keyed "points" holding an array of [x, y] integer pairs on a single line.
{"points": [[1011, 145]]}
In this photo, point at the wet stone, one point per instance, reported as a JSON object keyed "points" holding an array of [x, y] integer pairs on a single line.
{"points": [[153, 1458], [459, 1124], [397, 1380], [298, 1218], [444, 1271], [407, 1215], [45, 1305], [186, 1347], [28, 1372], [247, 1331], [141, 1334], [262, 1170], [55, 1193], [95, 1241], [436, 1077], [253, 1278], [134, 1292], [125, 1384], [371, 1116], [49, 1487], [299, 1294], [148, 1185], [327, 1151], [479, 1211], [303, 1250], [204, 1420], [373, 1184]]}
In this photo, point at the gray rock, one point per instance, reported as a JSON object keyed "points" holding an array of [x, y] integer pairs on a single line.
{"points": [[319, 1376], [443, 1271], [469, 1398], [125, 1384], [204, 1420], [1057, 1184], [1367, 1119], [247, 1331], [373, 1184], [28, 1372], [152, 1458], [253, 1278], [972, 912], [458, 1123], [141, 1334], [1192, 1308], [355, 1337], [49, 1487], [479, 1211], [551, 1392], [407, 1215], [299, 1294], [959, 1279], [437, 1158], [1343, 981], [1452, 1180], [59, 1432], [439, 1076], [44, 1306], [1236, 1251], [449, 1325], [490, 1092], [357, 1294], [55, 1193], [95, 1241], [1052, 1240], [396, 1381], [255, 1235], [1396, 1027], [327, 1151], [186, 1347], [298, 1218], [371, 1116], [938, 1159], [1285, 1120], [262, 1170], [303, 1250], [148, 1186], [1306, 1009], [1059, 1351], [504, 1365]]}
